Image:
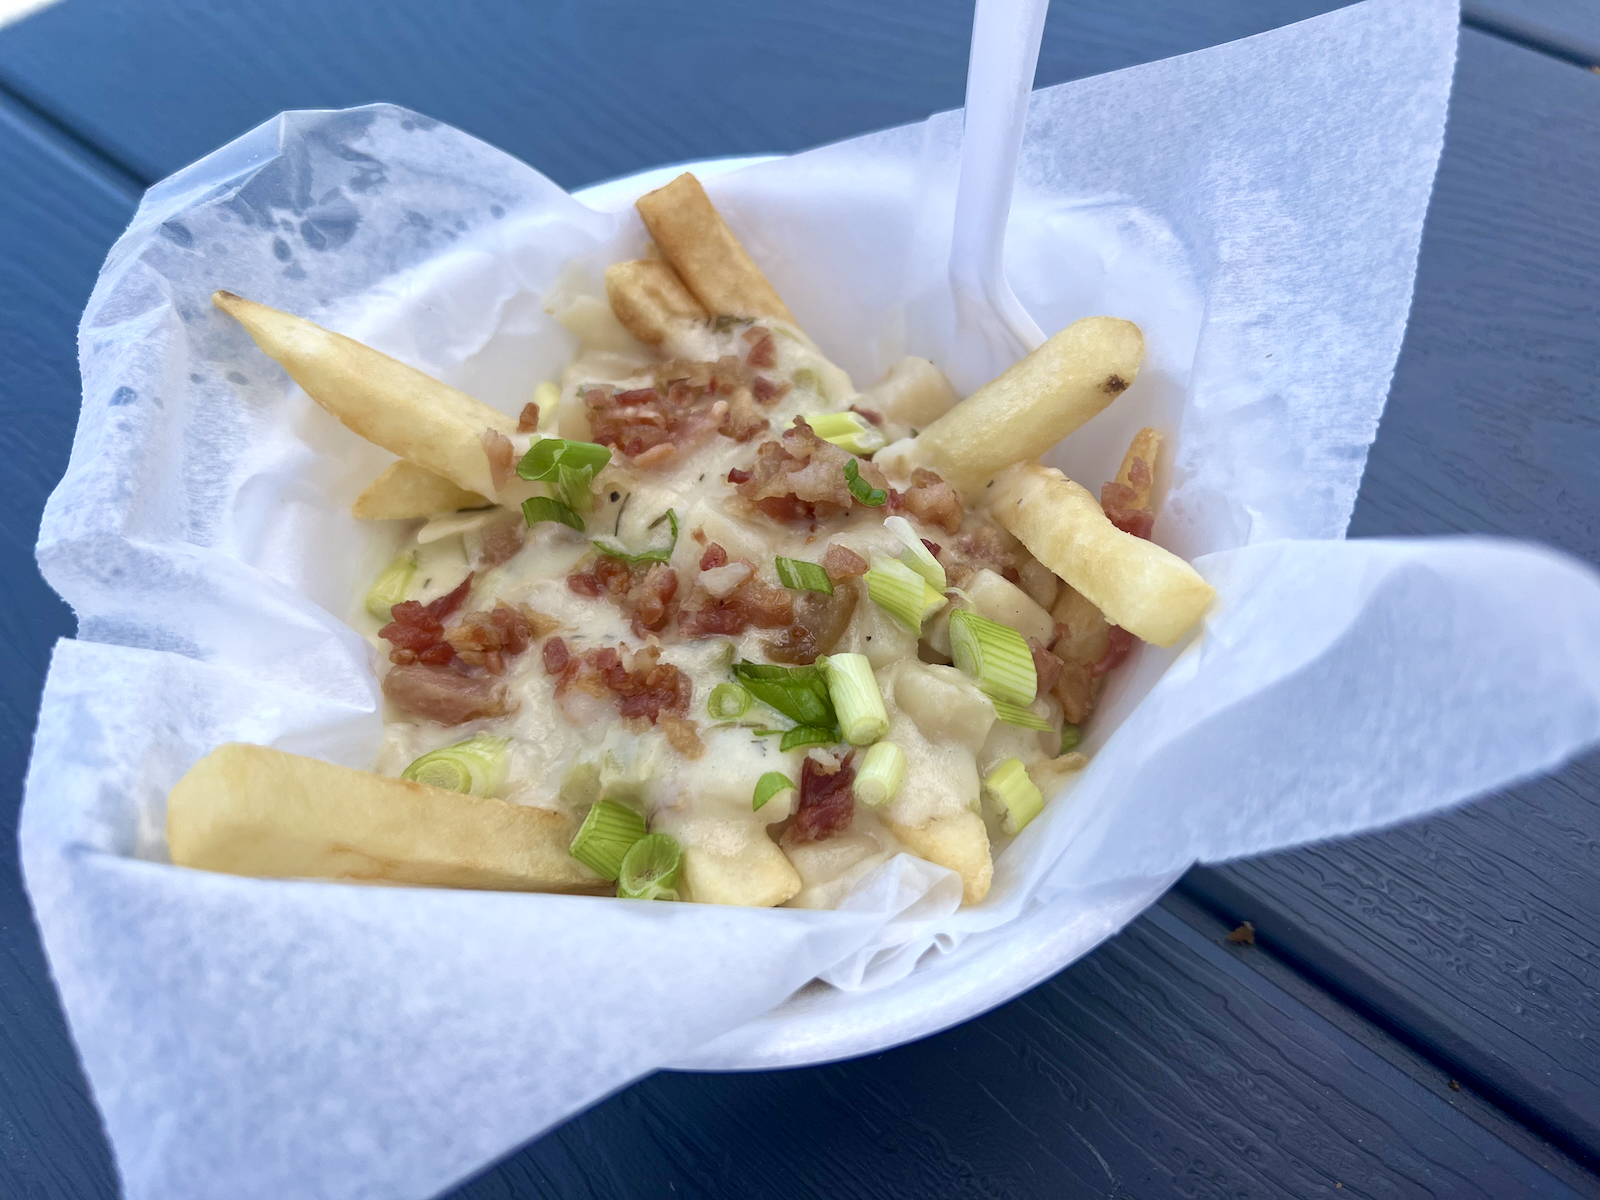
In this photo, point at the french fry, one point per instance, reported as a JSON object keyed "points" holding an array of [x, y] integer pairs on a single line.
{"points": [[754, 875], [408, 413], [251, 810], [1033, 404], [956, 840], [1145, 446], [650, 300], [405, 491], [694, 238], [1146, 590]]}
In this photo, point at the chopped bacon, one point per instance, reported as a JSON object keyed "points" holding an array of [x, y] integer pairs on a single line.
{"points": [[528, 420], [763, 351], [931, 500], [841, 562], [819, 622], [1047, 667], [501, 541], [739, 475], [753, 603], [417, 630], [446, 694], [1116, 650], [827, 805], [501, 455], [978, 548], [644, 687], [556, 656], [650, 598], [643, 591], [932, 547], [800, 477], [682, 735], [768, 392], [1118, 500], [680, 410], [741, 422], [871, 415], [487, 639], [714, 557]]}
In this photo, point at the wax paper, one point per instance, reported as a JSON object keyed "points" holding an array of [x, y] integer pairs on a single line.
{"points": [[1256, 208]]}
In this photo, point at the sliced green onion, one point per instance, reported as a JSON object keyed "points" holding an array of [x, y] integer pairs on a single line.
{"points": [[848, 430], [1014, 794], [855, 695], [808, 379], [917, 556], [799, 693], [862, 490], [728, 702], [1016, 714], [650, 869], [657, 554], [545, 458], [800, 576], [572, 487], [810, 735], [536, 509], [476, 766], [1070, 737], [903, 594], [606, 836], [880, 775], [390, 587], [768, 786], [995, 655]]}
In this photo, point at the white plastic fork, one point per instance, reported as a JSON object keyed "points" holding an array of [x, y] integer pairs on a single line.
{"points": [[992, 329]]}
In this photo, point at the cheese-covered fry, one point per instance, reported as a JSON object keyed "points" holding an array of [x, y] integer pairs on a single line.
{"points": [[252, 810], [405, 491], [408, 413], [702, 249], [1032, 405], [650, 300], [1150, 592]]}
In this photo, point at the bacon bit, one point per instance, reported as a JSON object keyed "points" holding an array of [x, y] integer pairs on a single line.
{"points": [[698, 533], [738, 475], [1116, 650], [752, 603], [501, 541], [583, 583], [982, 547], [1119, 500], [867, 414], [714, 557], [501, 453], [643, 591], [556, 656], [933, 548], [841, 562], [827, 805], [446, 694], [819, 622], [488, 639], [528, 420], [933, 501], [417, 630], [643, 685], [682, 736], [763, 351], [680, 410], [768, 392], [1046, 667], [801, 477], [741, 422]]}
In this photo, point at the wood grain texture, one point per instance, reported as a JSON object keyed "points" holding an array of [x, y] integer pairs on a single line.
{"points": [[1481, 928], [1165, 1064], [583, 91]]}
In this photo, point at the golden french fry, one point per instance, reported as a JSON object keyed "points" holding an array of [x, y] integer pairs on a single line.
{"points": [[405, 491], [698, 243], [252, 810], [1146, 590], [956, 840], [1146, 445], [1033, 404], [408, 413], [756, 874], [650, 300]]}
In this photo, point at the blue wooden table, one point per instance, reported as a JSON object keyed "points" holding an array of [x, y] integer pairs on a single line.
{"points": [[1418, 1014]]}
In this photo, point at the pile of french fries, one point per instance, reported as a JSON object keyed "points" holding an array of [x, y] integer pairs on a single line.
{"points": [[255, 811]]}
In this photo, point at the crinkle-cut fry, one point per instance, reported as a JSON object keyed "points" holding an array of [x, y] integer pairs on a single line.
{"points": [[1033, 404], [694, 238], [757, 875], [255, 811], [650, 300], [408, 413], [1146, 445], [1150, 592], [405, 491], [955, 840]]}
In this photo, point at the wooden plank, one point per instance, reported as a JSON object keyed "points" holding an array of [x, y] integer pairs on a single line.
{"points": [[582, 91], [1167, 1063], [1479, 932], [59, 213]]}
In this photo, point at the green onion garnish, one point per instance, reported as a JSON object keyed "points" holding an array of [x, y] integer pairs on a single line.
{"points": [[810, 735], [1070, 737], [1017, 797], [768, 786], [572, 487], [862, 490], [657, 554], [903, 594], [808, 379], [862, 718], [917, 556], [800, 576], [390, 587], [1016, 714], [728, 702], [882, 770], [847, 430], [995, 656], [799, 693], [650, 869], [541, 508], [476, 766], [545, 458], [605, 837]]}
